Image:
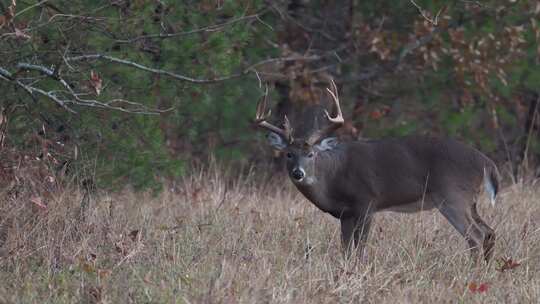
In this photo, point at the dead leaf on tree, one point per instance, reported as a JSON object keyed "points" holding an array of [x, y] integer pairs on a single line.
{"points": [[95, 82], [21, 34], [8, 15]]}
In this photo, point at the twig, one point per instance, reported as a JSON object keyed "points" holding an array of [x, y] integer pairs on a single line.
{"points": [[434, 21], [29, 8], [130, 255], [210, 28], [152, 70], [416, 44], [525, 160]]}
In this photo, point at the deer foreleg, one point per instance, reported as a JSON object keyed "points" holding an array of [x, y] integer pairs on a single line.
{"points": [[354, 233]]}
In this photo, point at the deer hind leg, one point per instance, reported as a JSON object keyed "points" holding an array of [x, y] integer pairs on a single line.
{"points": [[458, 212], [489, 234]]}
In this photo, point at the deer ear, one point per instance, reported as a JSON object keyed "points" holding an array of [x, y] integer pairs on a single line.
{"points": [[276, 141], [328, 143]]}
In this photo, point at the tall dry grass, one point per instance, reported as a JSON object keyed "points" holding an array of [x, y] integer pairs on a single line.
{"points": [[217, 239]]}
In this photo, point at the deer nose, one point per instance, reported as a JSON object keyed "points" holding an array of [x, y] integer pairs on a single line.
{"points": [[298, 174]]}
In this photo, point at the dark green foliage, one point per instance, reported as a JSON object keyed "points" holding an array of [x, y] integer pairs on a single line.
{"points": [[130, 148], [438, 88]]}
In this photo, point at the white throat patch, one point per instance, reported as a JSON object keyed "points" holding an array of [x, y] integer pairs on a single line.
{"points": [[307, 181]]}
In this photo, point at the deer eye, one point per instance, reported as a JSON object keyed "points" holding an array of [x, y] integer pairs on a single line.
{"points": [[311, 154], [289, 155]]}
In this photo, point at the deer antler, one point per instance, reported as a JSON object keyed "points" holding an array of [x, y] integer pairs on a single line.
{"points": [[262, 115], [335, 122]]}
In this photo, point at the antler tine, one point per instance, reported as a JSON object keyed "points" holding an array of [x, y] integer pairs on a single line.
{"points": [[261, 108], [287, 125], [335, 122], [261, 115], [339, 115]]}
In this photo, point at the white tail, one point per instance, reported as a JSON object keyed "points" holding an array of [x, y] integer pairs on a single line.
{"points": [[491, 186]]}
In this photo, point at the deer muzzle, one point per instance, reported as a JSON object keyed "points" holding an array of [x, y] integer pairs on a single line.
{"points": [[298, 174]]}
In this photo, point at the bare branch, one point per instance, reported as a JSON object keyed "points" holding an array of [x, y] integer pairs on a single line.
{"points": [[7, 76], [245, 71], [210, 28], [152, 70], [29, 8], [286, 16], [63, 98], [410, 47], [70, 96], [416, 44], [47, 72], [282, 59]]}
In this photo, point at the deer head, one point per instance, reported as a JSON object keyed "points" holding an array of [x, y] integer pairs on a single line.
{"points": [[301, 153]]}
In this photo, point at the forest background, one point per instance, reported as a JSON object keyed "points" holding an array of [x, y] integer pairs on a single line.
{"points": [[138, 92]]}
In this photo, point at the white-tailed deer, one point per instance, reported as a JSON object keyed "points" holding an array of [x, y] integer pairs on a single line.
{"points": [[353, 180]]}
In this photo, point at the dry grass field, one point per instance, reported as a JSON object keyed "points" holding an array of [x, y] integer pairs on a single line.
{"points": [[211, 239]]}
